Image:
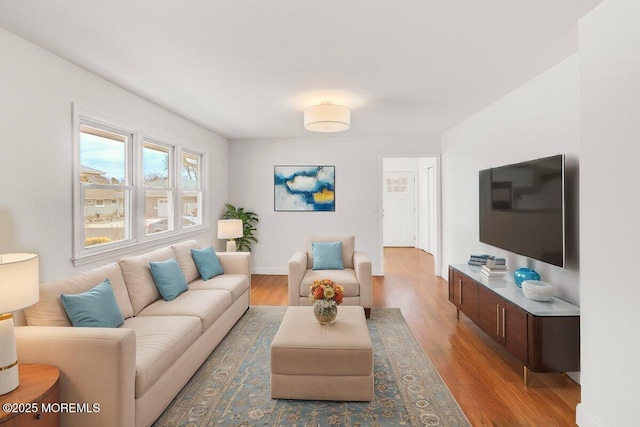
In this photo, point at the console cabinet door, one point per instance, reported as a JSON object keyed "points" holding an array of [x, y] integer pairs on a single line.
{"points": [[464, 291], [515, 331], [490, 310]]}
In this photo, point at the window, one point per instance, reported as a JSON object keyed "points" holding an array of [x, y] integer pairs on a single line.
{"points": [[191, 189], [397, 185], [131, 188], [158, 187], [103, 154]]}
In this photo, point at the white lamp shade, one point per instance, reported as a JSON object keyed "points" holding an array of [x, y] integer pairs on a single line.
{"points": [[327, 117], [229, 228], [19, 288], [19, 281]]}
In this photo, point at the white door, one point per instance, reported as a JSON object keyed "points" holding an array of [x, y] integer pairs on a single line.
{"points": [[163, 208], [399, 202], [424, 209]]}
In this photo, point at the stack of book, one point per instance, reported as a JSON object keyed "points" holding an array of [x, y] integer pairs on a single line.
{"points": [[494, 267], [478, 259]]}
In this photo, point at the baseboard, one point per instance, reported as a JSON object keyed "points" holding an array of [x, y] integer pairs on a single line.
{"points": [[279, 271], [575, 376], [586, 419], [276, 271]]}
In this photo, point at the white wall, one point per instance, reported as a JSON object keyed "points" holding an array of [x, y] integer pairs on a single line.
{"points": [[358, 163], [36, 149], [539, 119], [609, 205]]}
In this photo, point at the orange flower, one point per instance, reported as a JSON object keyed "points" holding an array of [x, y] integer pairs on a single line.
{"points": [[327, 290], [338, 298]]}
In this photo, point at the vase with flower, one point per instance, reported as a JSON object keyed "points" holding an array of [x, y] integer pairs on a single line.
{"points": [[326, 295]]}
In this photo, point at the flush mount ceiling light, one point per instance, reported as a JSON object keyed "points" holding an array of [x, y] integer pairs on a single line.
{"points": [[327, 117]]}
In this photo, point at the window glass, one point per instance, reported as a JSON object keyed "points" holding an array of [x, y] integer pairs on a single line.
{"points": [[191, 190], [103, 173], [102, 157], [155, 165]]}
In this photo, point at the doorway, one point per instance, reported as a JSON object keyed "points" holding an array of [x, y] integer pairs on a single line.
{"points": [[398, 209], [410, 204]]}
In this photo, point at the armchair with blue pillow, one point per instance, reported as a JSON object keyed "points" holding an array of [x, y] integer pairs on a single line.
{"points": [[334, 258]]}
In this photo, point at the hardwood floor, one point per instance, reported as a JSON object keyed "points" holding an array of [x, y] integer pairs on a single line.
{"points": [[485, 379]]}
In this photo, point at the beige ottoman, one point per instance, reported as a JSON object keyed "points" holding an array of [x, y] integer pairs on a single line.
{"points": [[314, 362]]}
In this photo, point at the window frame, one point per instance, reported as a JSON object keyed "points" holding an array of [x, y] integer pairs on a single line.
{"points": [[134, 186]]}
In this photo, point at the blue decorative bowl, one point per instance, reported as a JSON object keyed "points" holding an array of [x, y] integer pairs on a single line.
{"points": [[522, 274]]}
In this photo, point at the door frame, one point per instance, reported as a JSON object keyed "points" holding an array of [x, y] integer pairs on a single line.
{"points": [[436, 199]]}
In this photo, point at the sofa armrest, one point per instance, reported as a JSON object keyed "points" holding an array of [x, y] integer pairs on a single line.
{"points": [[97, 366], [297, 270], [362, 268], [235, 262]]}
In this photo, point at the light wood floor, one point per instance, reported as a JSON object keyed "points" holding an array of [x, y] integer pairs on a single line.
{"points": [[485, 379]]}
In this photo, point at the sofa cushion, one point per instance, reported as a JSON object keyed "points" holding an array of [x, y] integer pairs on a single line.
{"points": [[169, 278], [48, 311], [327, 255], [182, 253], [160, 341], [137, 276], [205, 305], [207, 262], [348, 248], [236, 284], [96, 307], [346, 278]]}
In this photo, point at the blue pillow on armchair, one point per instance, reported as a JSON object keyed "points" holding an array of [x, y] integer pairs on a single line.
{"points": [[327, 255]]}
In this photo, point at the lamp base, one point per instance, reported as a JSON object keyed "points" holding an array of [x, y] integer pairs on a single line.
{"points": [[231, 245], [9, 379]]}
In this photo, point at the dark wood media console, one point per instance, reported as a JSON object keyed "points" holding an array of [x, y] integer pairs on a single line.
{"points": [[543, 336]]}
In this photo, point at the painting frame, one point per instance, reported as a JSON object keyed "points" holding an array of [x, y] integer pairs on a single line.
{"points": [[304, 188]]}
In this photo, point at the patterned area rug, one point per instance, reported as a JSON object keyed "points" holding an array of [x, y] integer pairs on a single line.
{"points": [[232, 387]]}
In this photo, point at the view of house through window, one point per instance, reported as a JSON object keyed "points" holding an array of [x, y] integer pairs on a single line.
{"points": [[191, 189], [133, 188], [158, 188], [104, 191]]}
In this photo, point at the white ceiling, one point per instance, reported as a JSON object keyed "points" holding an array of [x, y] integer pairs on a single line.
{"points": [[247, 68]]}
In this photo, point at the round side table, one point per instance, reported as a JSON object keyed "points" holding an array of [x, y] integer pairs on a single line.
{"points": [[39, 386]]}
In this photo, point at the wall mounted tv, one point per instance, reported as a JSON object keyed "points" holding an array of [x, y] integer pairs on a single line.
{"points": [[522, 208]]}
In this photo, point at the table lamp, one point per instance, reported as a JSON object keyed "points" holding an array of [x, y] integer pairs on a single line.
{"points": [[230, 229], [19, 288]]}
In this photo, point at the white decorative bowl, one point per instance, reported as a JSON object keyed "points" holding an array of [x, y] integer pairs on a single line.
{"points": [[537, 290]]}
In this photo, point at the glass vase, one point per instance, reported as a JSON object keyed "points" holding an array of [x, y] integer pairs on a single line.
{"points": [[325, 311], [522, 274]]}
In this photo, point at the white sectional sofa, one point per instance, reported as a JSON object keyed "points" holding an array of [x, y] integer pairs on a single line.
{"points": [[134, 371]]}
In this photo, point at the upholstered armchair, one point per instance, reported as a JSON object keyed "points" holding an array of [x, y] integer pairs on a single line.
{"points": [[354, 276]]}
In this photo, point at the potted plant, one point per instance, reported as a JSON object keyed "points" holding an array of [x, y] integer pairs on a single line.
{"points": [[248, 218]]}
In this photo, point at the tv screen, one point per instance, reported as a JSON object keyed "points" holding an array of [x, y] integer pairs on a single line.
{"points": [[522, 208]]}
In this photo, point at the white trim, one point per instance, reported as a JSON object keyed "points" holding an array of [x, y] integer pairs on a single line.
{"points": [[130, 247], [586, 419]]}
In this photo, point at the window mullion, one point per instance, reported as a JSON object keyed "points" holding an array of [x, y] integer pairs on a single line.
{"points": [[138, 194]]}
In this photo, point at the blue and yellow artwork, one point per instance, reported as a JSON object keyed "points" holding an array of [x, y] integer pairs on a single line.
{"points": [[304, 188]]}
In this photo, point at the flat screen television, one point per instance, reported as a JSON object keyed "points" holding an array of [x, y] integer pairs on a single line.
{"points": [[522, 208]]}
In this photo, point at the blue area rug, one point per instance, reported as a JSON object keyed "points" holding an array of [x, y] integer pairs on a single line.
{"points": [[232, 387]]}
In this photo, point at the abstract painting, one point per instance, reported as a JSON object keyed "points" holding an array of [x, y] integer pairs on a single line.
{"points": [[304, 188]]}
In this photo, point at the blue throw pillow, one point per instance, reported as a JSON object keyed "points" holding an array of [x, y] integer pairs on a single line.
{"points": [[169, 278], [96, 307], [207, 262], [327, 256]]}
